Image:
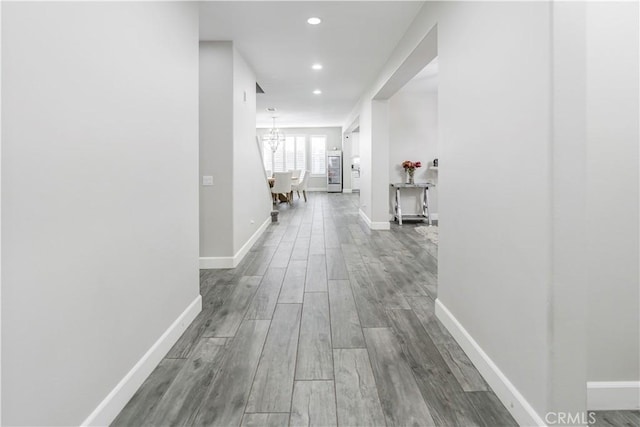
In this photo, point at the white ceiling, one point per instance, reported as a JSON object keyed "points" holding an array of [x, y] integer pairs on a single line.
{"points": [[352, 43]]}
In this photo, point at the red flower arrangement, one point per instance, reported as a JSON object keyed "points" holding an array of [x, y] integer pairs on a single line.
{"points": [[410, 166]]}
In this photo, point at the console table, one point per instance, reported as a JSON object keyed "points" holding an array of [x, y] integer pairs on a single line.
{"points": [[425, 201]]}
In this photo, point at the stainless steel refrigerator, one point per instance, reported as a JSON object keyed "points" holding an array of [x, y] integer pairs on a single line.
{"points": [[334, 171]]}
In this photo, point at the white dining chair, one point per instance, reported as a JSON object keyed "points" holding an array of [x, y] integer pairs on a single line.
{"points": [[296, 173], [269, 173], [282, 185], [301, 185]]}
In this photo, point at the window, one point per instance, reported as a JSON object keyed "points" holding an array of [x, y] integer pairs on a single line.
{"points": [[291, 155], [278, 159], [318, 155]]}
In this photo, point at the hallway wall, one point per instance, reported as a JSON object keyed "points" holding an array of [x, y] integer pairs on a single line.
{"points": [[216, 148], [495, 127], [612, 198], [99, 198], [234, 211], [251, 197], [518, 200], [494, 255]]}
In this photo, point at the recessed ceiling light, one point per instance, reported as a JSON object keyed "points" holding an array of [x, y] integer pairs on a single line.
{"points": [[314, 21], [317, 66], [317, 92]]}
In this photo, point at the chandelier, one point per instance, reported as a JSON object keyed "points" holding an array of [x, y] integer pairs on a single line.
{"points": [[274, 137]]}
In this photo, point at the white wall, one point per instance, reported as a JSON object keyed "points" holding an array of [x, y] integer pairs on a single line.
{"points": [[0, 215], [380, 163], [413, 127], [567, 312], [495, 255], [216, 148], [612, 198], [346, 162], [495, 126], [99, 196], [355, 143], [251, 195], [235, 209], [517, 196], [365, 147], [334, 139]]}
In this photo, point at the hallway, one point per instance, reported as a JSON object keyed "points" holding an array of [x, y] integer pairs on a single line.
{"points": [[323, 322]]}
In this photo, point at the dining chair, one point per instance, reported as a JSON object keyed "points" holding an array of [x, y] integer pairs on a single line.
{"points": [[282, 185], [269, 173], [302, 185], [296, 173]]}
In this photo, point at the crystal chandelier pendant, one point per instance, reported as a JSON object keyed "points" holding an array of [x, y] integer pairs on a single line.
{"points": [[274, 137]]}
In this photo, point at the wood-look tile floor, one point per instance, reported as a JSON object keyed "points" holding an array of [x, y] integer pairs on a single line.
{"points": [[323, 323]]}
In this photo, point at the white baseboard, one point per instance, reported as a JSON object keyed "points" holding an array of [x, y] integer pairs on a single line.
{"points": [[244, 250], [515, 403], [364, 217], [347, 190], [215, 262], [207, 263], [380, 226], [613, 395], [115, 401], [374, 225]]}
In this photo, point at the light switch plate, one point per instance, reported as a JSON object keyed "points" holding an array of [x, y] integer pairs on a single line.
{"points": [[207, 180]]}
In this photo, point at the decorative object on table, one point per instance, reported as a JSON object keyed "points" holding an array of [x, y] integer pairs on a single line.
{"points": [[274, 137], [429, 232], [410, 168], [435, 163]]}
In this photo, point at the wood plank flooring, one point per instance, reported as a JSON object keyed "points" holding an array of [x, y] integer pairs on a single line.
{"points": [[617, 418], [324, 322]]}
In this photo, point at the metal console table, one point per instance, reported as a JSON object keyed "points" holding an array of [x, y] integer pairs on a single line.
{"points": [[425, 201]]}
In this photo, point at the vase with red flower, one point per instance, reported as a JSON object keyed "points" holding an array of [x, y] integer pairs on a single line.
{"points": [[410, 169]]}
